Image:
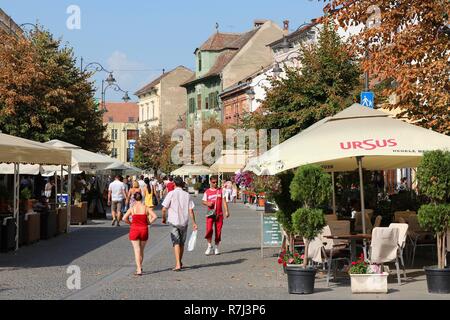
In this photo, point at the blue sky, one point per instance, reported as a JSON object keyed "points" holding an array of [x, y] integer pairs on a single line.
{"points": [[137, 39]]}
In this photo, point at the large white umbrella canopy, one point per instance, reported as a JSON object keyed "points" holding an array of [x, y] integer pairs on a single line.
{"points": [[82, 160], [23, 151], [232, 161], [335, 143], [192, 170]]}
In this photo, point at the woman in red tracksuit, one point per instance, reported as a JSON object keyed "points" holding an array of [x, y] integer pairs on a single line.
{"points": [[213, 198]]}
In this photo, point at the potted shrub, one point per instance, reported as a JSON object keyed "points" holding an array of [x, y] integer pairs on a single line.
{"points": [[312, 187], [433, 175], [26, 201], [367, 278]]}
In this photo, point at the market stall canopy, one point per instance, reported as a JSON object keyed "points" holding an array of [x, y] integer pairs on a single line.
{"points": [[192, 170], [334, 143], [23, 151], [24, 169], [232, 161], [82, 160], [119, 165]]}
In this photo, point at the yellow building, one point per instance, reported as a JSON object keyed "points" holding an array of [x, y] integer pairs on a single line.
{"points": [[162, 102], [122, 120]]}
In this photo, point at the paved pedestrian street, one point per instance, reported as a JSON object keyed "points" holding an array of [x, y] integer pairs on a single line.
{"points": [[106, 261]]}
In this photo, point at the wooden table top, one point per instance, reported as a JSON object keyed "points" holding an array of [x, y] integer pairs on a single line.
{"points": [[351, 237]]}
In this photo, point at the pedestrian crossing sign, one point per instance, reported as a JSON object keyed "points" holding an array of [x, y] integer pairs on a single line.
{"points": [[368, 99]]}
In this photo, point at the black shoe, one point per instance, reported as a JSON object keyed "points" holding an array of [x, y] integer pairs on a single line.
{"points": [[114, 222], [118, 224]]}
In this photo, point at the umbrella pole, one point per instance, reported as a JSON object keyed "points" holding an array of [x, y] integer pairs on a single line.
{"points": [[334, 192], [363, 209], [69, 201], [16, 201]]}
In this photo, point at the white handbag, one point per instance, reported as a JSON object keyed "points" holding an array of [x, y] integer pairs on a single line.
{"points": [[192, 241]]}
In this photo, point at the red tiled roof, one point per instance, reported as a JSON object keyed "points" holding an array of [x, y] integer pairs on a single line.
{"points": [[225, 57], [147, 88], [220, 41], [121, 112]]}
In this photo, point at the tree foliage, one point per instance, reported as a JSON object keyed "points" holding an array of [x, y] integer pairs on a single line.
{"points": [[311, 186], [151, 149], [410, 48], [325, 84], [44, 96], [433, 175]]}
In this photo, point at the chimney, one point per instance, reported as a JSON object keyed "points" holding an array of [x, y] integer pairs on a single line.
{"points": [[258, 23], [286, 27]]}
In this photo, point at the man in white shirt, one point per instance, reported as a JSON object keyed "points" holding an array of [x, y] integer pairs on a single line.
{"points": [[180, 207], [116, 193], [142, 185]]}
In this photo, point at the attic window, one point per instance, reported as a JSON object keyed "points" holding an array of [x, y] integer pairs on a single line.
{"points": [[111, 119], [130, 119]]}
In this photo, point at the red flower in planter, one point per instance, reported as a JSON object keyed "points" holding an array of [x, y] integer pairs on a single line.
{"points": [[291, 261], [353, 263], [296, 254], [280, 261], [285, 264]]}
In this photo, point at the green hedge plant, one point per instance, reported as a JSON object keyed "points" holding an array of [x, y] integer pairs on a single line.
{"points": [[312, 187], [433, 175]]}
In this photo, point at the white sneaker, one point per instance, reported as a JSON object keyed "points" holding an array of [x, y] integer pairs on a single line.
{"points": [[209, 251], [216, 251]]}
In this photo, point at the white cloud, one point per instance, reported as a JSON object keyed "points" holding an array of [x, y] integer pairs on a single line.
{"points": [[124, 70]]}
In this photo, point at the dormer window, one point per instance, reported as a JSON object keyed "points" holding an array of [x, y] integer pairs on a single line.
{"points": [[199, 61]]}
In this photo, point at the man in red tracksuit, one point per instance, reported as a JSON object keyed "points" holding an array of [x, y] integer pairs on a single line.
{"points": [[213, 198]]}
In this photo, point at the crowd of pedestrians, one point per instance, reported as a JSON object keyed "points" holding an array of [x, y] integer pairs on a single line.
{"points": [[136, 200]]}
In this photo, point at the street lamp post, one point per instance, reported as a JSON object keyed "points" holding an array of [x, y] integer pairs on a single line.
{"points": [[116, 88]]}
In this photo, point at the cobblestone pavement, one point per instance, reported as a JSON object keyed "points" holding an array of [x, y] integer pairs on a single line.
{"points": [[106, 260]]}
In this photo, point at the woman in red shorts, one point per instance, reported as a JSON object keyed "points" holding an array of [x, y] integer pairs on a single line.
{"points": [[142, 217]]}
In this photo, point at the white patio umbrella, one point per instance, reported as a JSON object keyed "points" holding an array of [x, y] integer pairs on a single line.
{"points": [[16, 152], [194, 170], [355, 138], [82, 160]]}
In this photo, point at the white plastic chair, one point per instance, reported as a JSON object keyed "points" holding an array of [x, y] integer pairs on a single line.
{"points": [[384, 247], [402, 236]]}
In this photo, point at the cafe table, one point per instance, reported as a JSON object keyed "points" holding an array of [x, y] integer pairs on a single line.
{"points": [[352, 238]]}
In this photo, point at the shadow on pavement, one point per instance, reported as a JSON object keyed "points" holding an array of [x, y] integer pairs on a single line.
{"points": [[196, 267], [62, 250], [241, 250]]}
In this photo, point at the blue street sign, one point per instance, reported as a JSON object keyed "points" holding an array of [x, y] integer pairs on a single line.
{"points": [[368, 99], [131, 148]]}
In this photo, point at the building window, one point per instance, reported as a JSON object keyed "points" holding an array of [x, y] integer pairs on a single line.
{"points": [[114, 134], [199, 61], [199, 102], [111, 119], [142, 114], [153, 110], [131, 119], [191, 105], [213, 100], [148, 112], [206, 103], [132, 134], [114, 153]]}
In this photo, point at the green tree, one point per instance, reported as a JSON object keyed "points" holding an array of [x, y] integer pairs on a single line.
{"points": [[433, 175], [312, 187], [45, 96], [151, 149], [327, 82]]}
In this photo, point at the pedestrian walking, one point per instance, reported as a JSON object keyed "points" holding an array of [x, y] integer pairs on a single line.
{"points": [[142, 184], [148, 196], [127, 189], [116, 195], [131, 201], [170, 185], [141, 218], [179, 207], [217, 207]]}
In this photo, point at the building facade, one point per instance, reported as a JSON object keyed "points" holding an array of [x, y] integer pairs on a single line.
{"points": [[122, 129], [163, 101], [221, 62]]}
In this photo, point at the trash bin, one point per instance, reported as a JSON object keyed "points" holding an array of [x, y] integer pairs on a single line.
{"points": [[48, 224], [8, 226]]}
